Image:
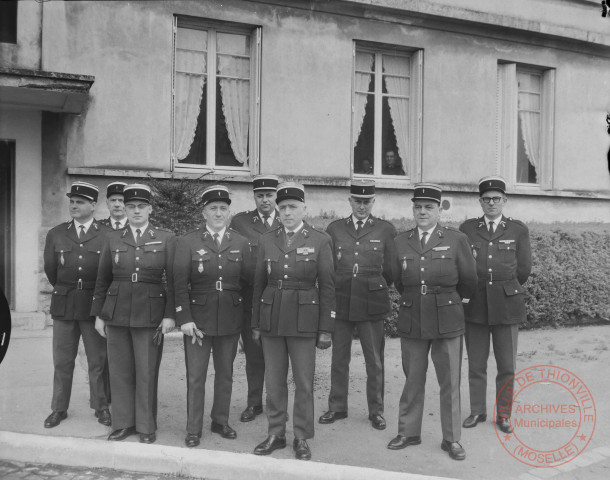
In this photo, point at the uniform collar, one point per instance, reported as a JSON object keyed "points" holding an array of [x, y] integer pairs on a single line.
{"points": [[221, 234], [298, 229], [87, 224], [355, 220], [142, 229]]}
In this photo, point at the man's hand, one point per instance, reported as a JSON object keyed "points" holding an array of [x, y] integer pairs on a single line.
{"points": [[324, 340], [188, 328], [100, 326], [167, 325], [256, 336]]}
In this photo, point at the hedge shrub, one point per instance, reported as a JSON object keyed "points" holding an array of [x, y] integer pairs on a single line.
{"points": [[569, 285]]}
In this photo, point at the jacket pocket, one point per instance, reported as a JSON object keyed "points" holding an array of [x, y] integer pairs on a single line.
{"points": [[442, 262], [405, 315], [515, 301], [59, 299], [156, 297], [450, 312], [378, 300], [309, 311], [64, 255], [266, 307], [110, 303]]}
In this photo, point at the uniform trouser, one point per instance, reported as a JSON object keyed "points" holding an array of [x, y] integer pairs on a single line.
{"points": [[197, 358], [302, 354], [504, 338], [372, 340], [447, 358], [255, 363], [66, 335], [134, 373]]}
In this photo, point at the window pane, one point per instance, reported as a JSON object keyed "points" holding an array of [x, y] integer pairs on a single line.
{"points": [[529, 102], [8, 21], [364, 150], [529, 82], [392, 161], [233, 99], [528, 147], [190, 82]]}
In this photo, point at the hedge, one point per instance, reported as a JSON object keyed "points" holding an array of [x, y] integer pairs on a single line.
{"points": [[569, 284]]}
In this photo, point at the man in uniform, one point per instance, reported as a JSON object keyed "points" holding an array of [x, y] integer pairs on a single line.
{"points": [[252, 225], [295, 313], [209, 269], [363, 247], [116, 206], [501, 247], [71, 257], [434, 271], [391, 164], [130, 302]]}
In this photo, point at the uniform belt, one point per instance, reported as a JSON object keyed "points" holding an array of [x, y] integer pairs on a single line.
{"points": [[217, 286], [138, 278], [290, 285], [360, 270], [496, 277], [79, 284], [430, 289]]}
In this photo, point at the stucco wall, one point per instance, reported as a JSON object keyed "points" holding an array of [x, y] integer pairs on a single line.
{"points": [[306, 88]]}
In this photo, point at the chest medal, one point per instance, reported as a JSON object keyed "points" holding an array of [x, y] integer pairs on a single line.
{"points": [[269, 267], [116, 257], [200, 267], [404, 264]]}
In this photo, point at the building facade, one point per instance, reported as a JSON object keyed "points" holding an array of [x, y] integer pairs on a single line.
{"points": [[400, 91]]}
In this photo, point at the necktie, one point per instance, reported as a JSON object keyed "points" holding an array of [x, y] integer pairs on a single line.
{"points": [[81, 234], [217, 240], [266, 221], [358, 225], [117, 225], [289, 236], [491, 227], [423, 239], [138, 235]]}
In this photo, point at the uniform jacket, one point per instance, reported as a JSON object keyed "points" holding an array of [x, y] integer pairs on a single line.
{"points": [[432, 282], [130, 289], [504, 262], [250, 225], [303, 303], [109, 222], [208, 281], [71, 267], [363, 268]]}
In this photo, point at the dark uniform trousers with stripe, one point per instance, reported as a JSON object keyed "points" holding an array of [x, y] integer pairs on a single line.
{"points": [[208, 280], [432, 281], [250, 225], [363, 271], [497, 307], [70, 264], [295, 287], [131, 297]]}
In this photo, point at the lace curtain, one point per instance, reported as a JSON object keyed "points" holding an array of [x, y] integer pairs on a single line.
{"points": [[364, 65], [396, 69]]}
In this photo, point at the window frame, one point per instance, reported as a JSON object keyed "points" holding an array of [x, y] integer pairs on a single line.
{"points": [[507, 124], [414, 162], [255, 33]]}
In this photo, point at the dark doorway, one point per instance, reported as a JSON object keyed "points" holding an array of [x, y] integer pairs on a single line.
{"points": [[7, 170]]}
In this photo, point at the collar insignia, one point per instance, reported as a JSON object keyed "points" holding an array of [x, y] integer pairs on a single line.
{"points": [[201, 252]]}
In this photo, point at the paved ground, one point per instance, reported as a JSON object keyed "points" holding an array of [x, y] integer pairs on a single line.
{"points": [[26, 379]]}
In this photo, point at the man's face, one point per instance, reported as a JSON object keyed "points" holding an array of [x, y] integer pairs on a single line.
{"points": [[494, 208], [116, 207], [426, 213], [361, 207], [138, 212], [265, 201], [390, 158], [216, 215], [81, 209], [292, 213], [366, 165]]}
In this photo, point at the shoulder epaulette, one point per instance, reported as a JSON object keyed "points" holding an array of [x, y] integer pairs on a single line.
{"points": [[453, 229], [195, 230], [245, 212], [518, 222], [337, 221], [161, 229]]}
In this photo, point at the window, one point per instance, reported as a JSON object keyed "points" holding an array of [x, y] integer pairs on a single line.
{"points": [[525, 125], [215, 96], [386, 112], [8, 21]]}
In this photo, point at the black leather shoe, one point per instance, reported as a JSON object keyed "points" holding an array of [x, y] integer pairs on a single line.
{"points": [[301, 449], [272, 442], [454, 449], [103, 416], [147, 438], [400, 442], [472, 420], [377, 421], [250, 413], [192, 439], [224, 430], [55, 419], [503, 424], [330, 417], [122, 433]]}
